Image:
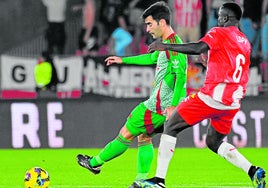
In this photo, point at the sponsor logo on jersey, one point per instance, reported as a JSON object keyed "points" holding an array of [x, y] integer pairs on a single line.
{"points": [[241, 39]]}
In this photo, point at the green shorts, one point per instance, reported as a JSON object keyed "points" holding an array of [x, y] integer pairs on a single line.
{"points": [[142, 120]]}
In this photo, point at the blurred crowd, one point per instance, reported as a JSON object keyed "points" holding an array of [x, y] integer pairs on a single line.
{"points": [[115, 26]]}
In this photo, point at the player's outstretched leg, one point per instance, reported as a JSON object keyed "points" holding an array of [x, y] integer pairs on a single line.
{"points": [[83, 160], [258, 179]]}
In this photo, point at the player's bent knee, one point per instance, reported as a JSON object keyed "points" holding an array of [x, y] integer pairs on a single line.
{"points": [[213, 144], [144, 139], [170, 130], [126, 134], [175, 128], [174, 125]]}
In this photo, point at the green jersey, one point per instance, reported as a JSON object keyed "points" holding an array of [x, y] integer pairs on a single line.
{"points": [[169, 86]]}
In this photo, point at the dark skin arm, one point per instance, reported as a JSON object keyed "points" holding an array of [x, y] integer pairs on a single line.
{"points": [[188, 48]]}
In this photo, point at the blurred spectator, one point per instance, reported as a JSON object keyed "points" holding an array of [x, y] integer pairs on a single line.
{"points": [[204, 19], [187, 17], [45, 73], [87, 39], [264, 23], [119, 41], [114, 25], [212, 12], [264, 40], [55, 33], [251, 24]]}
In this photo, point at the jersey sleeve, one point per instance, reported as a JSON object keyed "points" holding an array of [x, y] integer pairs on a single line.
{"points": [[144, 59], [211, 38], [179, 69]]}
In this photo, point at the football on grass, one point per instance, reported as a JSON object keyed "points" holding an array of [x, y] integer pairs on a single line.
{"points": [[36, 177]]}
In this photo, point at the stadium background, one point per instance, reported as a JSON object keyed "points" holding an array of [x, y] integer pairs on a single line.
{"points": [[79, 114]]}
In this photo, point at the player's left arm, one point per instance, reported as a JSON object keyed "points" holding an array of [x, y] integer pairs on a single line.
{"points": [[178, 75], [179, 72]]}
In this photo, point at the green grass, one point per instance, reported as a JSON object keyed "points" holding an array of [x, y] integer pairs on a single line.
{"points": [[190, 167]]}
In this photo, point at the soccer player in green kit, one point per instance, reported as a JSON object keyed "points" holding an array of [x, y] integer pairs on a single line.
{"points": [[147, 118]]}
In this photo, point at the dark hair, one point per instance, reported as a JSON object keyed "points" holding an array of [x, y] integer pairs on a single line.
{"points": [[158, 11], [234, 10]]}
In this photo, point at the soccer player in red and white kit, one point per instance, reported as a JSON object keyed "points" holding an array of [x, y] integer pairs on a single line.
{"points": [[225, 85]]}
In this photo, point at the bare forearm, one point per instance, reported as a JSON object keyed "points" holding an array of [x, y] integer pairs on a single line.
{"points": [[189, 48]]}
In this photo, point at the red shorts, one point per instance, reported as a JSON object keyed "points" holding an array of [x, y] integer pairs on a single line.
{"points": [[193, 111]]}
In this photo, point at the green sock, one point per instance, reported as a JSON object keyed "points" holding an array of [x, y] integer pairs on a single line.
{"points": [[113, 149], [145, 159]]}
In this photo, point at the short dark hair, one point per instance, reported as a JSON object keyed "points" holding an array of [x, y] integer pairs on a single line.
{"points": [[235, 9], [158, 11]]}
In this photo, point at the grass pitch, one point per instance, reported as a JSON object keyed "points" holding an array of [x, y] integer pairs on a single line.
{"points": [[190, 168]]}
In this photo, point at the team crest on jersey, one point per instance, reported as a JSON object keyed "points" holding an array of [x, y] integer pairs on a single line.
{"points": [[175, 64], [192, 95]]}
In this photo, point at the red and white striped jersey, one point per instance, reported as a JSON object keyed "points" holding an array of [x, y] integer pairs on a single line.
{"points": [[187, 13]]}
